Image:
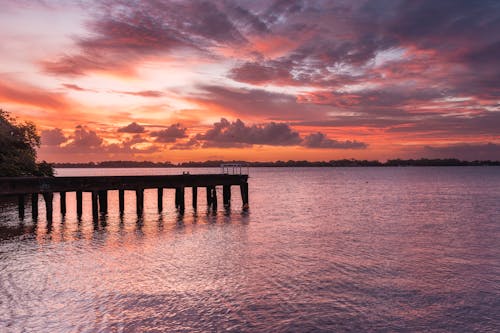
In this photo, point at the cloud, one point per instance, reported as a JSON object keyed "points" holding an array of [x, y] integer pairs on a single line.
{"points": [[25, 94], [465, 151], [256, 103], [76, 87], [320, 140], [85, 144], [132, 128], [170, 134], [257, 73], [192, 143], [122, 35], [225, 134], [143, 93], [53, 137], [84, 138], [117, 43]]}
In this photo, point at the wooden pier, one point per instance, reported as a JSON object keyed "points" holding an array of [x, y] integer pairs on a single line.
{"points": [[100, 185]]}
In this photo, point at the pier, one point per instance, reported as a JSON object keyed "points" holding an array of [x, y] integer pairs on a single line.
{"points": [[98, 186]]}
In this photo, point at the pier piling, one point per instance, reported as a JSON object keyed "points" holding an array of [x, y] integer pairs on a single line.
{"points": [[195, 197], [226, 195], [209, 197], [244, 194], [121, 200], [20, 205], [179, 198], [95, 204], [48, 197], [160, 199], [62, 202], [214, 198], [139, 197], [103, 201], [34, 205], [79, 203]]}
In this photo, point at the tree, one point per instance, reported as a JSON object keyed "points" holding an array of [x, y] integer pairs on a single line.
{"points": [[18, 143]]}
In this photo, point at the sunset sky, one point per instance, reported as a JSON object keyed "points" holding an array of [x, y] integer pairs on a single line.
{"points": [[254, 80]]}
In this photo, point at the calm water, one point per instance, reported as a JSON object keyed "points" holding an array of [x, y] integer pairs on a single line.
{"points": [[337, 249]]}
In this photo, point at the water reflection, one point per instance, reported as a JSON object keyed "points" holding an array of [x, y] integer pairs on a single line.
{"points": [[70, 225]]}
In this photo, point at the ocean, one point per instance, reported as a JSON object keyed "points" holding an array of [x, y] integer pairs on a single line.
{"points": [[414, 249]]}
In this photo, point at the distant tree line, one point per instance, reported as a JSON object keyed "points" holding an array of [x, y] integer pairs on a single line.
{"points": [[290, 163]]}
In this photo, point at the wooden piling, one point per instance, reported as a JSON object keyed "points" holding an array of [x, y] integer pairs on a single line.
{"points": [[62, 202], [95, 204], [214, 198], [48, 197], [20, 205], [160, 199], [139, 197], [209, 197], [103, 201], [244, 194], [226, 195], [181, 199], [195, 197], [121, 200], [34, 205], [79, 203]]}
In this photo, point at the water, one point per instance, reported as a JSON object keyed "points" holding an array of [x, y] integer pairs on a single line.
{"points": [[321, 249]]}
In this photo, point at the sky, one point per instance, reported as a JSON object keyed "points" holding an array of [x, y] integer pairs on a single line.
{"points": [[254, 80]]}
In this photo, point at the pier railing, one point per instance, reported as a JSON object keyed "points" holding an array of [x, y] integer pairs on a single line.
{"points": [[234, 169]]}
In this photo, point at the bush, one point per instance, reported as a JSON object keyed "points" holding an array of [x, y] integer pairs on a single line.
{"points": [[18, 143]]}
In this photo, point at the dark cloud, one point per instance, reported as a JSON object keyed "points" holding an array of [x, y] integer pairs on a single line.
{"points": [[211, 23], [320, 140], [132, 128], [486, 123], [117, 42], [257, 73], [84, 138], [258, 102], [122, 34], [464, 151], [192, 143], [170, 134], [225, 134], [74, 87], [443, 45], [246, 19], [53, 137], [143, 93], [85, 141]]}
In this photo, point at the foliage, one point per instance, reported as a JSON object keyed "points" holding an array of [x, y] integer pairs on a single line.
{"points": [[18, 143]]}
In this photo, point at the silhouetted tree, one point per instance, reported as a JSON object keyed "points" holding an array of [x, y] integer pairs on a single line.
{"points": [[18, 143]]}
